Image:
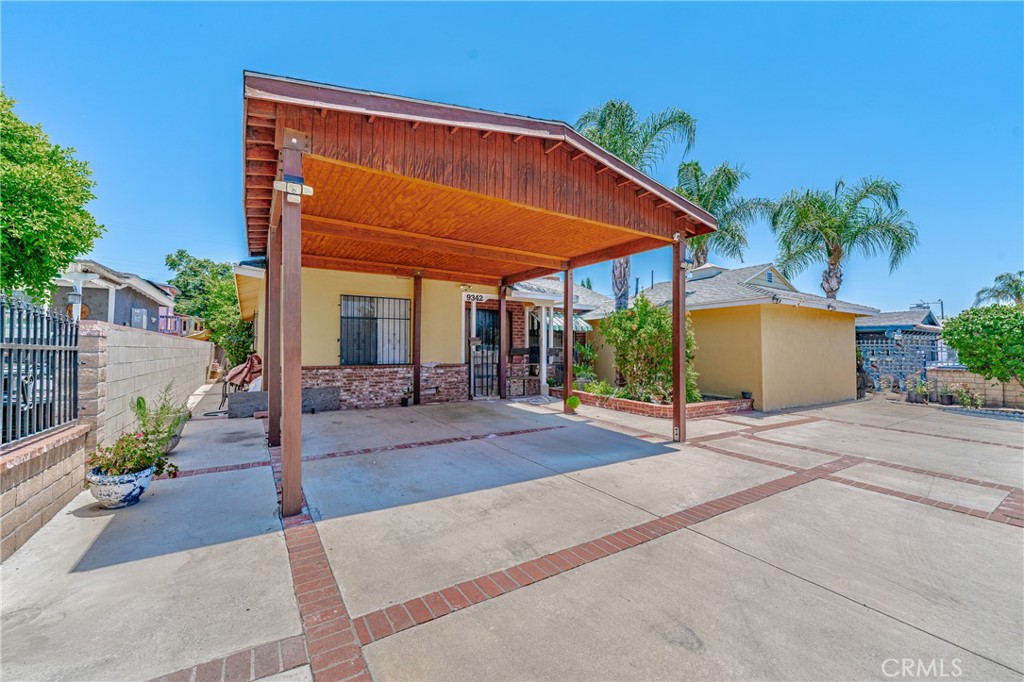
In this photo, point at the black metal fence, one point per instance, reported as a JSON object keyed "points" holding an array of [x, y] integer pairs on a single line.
{"points": [[39, 368], [375, 330]]}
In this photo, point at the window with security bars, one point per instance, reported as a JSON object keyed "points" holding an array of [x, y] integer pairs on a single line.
{"points": [[375, 330]]}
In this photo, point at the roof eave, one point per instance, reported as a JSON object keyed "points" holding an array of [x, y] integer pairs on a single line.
{"points": [[275, 89]]}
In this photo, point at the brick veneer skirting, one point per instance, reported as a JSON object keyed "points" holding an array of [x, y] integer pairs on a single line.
{"points": [[36, 480], [362, 386], [707, 408]]}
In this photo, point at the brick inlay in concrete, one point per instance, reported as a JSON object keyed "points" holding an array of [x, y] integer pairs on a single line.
{"points": [[385, 622]]}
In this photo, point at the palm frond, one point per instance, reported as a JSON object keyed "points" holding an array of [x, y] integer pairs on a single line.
{"points": [[658, 131]]}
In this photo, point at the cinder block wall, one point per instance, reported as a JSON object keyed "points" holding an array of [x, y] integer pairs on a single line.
{"points": [[37, 480], [996, 394], [121, 363]]}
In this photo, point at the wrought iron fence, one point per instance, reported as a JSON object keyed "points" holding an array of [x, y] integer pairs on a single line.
{"points": [[374, 330], [39, 369]]}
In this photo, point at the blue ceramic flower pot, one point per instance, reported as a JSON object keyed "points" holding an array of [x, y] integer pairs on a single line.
{"points": [[115, 492]]}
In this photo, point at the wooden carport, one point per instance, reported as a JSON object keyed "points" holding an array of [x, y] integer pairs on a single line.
{"points": [[425, 190]]}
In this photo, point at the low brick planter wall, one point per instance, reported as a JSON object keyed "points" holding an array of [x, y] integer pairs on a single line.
{"points": [[363, 386], [707, 408], [37, 479]]}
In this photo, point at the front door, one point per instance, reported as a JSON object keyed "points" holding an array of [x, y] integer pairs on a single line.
{"points": [[483, 364]]}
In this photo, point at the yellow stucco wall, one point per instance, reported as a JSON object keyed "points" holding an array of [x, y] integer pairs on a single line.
{"points": [[728, 356], [321, 292], [605, 365], [809, 356]]}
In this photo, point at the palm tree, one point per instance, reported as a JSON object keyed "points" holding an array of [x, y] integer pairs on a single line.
{"points": [[1008, 286], [640, 142], [814, 226], [715, 192]]}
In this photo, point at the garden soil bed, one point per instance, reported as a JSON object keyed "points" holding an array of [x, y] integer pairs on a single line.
{"points": [[708, 408]]}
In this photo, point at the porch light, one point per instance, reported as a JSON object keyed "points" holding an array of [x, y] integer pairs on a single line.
{"points": [[74, 297], [465, 287]]}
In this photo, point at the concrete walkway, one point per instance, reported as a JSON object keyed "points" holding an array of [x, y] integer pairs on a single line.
{"points": [[487, 541]]}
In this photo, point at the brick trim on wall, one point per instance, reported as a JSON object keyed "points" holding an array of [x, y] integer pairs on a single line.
{"points": [[36, 480], [707, 408], [364, 386]]}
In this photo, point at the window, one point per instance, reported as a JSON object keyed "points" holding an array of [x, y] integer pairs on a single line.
{"points": [[374, 330], [769, 277]]}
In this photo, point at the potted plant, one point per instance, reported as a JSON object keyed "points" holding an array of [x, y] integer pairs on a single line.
{"points": [[747, 395], [945, 396], [922, 392], [164, 422], [118, 475], [572, 403]]}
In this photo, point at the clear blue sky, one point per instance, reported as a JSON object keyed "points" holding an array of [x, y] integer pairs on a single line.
{"points": [[931, 95]]}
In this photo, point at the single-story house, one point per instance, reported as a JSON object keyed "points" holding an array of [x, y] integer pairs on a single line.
{"points": [[111, 296], [901, 343], [387, 221], [756, 333]]}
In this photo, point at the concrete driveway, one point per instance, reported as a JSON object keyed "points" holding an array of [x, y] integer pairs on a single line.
{"points": [[494, 541]]}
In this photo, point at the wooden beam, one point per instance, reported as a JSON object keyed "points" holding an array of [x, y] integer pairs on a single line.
{"points": [[291, 319], [254, 152], [577, 153], [259, 135], [344, 229], [532, 273], [516, 138], [623, 180], [260, 108], [642, 192], [272, 339], [601, 169], [453, 129], [484, 134], [371, 119], [416, 124], [567, 345], [552, 145], [658, 203], [503, 346], [266, 168], [417, 332], [374, 267], [678, 341], [619, 251]]}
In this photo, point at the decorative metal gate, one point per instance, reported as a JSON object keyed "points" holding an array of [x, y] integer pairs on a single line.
{"points": [[483, 364], [894, 356], [39, 371]]}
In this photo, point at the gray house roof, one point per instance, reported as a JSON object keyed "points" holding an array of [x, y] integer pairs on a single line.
{"points": [[915, 318], [712, 286], [116, 279], [584, 298]]}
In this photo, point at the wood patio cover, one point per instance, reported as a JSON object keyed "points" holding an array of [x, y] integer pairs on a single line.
{"points": [[425, 190]]}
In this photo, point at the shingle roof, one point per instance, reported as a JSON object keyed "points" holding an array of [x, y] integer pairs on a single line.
{"points": [[727, 287], [900, 319], [585, 299]]}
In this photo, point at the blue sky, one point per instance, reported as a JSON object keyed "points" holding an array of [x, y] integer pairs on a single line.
{"points": [[931, 95]]}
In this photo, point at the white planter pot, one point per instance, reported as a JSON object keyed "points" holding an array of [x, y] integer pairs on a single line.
{"points": [[115, 492]]}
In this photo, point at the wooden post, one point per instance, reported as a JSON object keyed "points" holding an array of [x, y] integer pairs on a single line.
{"points": [[417, 328], [291, 320], [272, 338], [567, 341], [678, 340], [503, 345], [543, 350]]}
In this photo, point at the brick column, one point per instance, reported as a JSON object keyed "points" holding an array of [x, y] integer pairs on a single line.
{"points": [[92, 381]]}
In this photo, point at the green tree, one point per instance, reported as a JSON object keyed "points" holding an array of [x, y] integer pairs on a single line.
{"points": [[815, 226], [208, 291], [716, 193], [1008, 286], [989, 341], [586, 283], [640, 142], [642, 339], [43, 222]]}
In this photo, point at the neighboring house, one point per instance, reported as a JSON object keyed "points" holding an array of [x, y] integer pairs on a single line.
{"points": [[358, 333], [116, 297], [756, 333], [899, 344]]}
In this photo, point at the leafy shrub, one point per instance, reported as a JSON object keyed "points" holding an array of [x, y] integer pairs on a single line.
{"points": [[160, 422], [967, 396], [573, 402], [131, 453], [600, 387], [642, 339], [989, 341]]}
